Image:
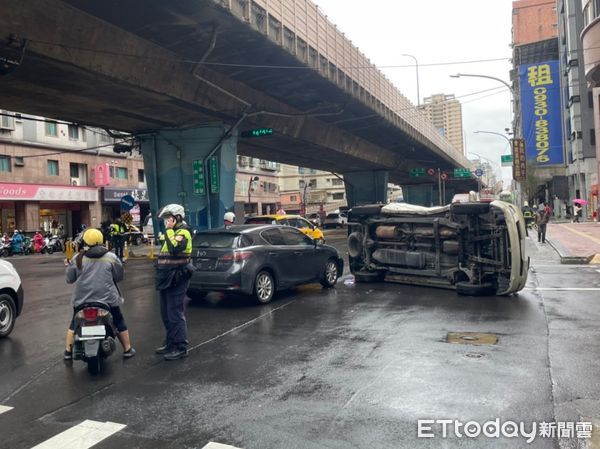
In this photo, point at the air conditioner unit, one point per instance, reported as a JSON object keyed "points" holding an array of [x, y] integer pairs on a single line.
{"points": [[19, 161], [243, 161], [263, 163], [7, 123], [74, 181]]}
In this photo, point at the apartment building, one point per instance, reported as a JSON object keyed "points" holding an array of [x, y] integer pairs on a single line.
{"points": [[445, 112], [58, 173]]}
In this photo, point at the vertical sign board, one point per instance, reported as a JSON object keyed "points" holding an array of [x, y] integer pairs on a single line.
{"points": [[213, 163], [519, 162], [540, 109], [198, 177]]}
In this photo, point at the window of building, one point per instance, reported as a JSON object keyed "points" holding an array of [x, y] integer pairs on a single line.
{"points": [[4, 163], [121, 173], [592, 136], [52, 129], [293, 198], [74, 170], [301, 183], [141, 175], [52, 168], [103, 137], [338, 196], [73, 132], [337, 182], [111, 171], [312, 183]]}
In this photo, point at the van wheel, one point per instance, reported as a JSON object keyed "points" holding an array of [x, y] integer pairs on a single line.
{"points": [[264, 287], [467, 289], [369, 276], [8, 315], [355, 244]]}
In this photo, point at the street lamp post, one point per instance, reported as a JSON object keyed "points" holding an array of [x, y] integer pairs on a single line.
{"points": [[252, 180], [417, 70], [512, 93]]}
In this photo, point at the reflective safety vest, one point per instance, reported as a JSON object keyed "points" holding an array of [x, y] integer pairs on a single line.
{"points": [[181, 243]]}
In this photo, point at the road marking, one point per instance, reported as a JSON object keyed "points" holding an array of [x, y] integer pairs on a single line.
{"points": [[213, 445], [566, 289], [82, 436], [5, 408]]}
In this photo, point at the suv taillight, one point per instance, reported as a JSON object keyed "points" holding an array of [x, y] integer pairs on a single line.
{"points": [[236, 256]]}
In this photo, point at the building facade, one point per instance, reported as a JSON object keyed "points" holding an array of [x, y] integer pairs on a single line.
{"points": [[578, 107], [591, 58], [256, 186], [445, 112], [57, 173], [535, 45]]}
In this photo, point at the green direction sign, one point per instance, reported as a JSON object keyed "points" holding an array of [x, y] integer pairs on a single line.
{"points": [[258, 132], [214, 174], [506, 160], [198, 178], [462, 173], [417, 172]]}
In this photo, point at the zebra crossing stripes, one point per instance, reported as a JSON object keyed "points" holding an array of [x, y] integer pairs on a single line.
{"points": [[213, 445], [5, 408], [82, 436]]}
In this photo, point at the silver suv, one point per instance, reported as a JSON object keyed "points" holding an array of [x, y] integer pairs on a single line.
{"points": [[474, 248]]}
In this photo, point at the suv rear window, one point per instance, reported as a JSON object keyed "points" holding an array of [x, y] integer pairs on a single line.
{"points": [[215, 240], [332, 215]]}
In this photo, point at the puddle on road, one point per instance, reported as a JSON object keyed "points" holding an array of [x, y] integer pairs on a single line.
{"points": [[471, 338]]}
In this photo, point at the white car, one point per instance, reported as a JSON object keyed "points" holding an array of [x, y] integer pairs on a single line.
{"points": [[11, 297], [335, 220]]}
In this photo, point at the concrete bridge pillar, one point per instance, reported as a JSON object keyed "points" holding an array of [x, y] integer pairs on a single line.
{"points": [[194, 167], [366, 187], [428, 195]]}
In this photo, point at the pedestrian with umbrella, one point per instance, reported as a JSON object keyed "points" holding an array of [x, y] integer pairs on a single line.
{"points": [[577, 209]]}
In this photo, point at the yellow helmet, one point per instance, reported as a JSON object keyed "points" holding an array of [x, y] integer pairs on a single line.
{"points": [[93, 237]]}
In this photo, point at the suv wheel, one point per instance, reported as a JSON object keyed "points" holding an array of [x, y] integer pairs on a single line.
{"points": [[8, 315]]}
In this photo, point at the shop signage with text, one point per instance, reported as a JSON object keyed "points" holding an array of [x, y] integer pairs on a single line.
{"points": [[37, 192]]}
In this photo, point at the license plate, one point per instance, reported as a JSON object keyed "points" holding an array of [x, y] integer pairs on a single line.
{"points": [[93, 331], [205, 264]]}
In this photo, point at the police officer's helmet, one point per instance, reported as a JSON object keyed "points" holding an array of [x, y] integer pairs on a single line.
{"points": [[229, 216], [172, 210]]}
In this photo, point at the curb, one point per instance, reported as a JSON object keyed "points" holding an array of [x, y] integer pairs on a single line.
{"points": [[565, 255]]}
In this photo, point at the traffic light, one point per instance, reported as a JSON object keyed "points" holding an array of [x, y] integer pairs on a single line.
{"points": [[258, 132]]}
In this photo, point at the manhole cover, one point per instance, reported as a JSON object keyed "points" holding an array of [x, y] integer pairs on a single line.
{"points": [[474, 355], [471, 338]]}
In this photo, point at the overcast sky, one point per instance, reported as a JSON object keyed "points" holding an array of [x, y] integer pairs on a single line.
{"points": [[438, 32]]}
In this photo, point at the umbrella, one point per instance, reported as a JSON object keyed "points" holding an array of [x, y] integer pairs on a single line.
{"points": [[579, 201]]}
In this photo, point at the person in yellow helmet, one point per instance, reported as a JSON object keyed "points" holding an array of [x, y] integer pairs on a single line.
{"points": [[95, 272], [173, 273]]}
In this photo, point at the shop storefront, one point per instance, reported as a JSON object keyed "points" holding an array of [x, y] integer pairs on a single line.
{"points": [[31, 207], [111, 203]]}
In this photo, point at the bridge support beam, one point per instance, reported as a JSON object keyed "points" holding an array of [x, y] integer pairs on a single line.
{"points": [[366, 187], [428, 194], [169, 160]]}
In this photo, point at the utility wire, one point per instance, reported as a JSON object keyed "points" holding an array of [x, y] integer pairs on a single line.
{"points": [[257, 66]]}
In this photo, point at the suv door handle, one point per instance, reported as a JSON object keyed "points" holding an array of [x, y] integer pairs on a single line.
{"points": [[273, 254]]}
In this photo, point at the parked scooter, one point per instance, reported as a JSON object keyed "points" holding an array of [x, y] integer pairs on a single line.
{"points": [[95, 335], [53, 244], [5, 248], [27, 246]]}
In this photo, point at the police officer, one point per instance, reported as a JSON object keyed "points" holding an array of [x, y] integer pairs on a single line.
{"points": [[228, 219], [172, 280], [118, 238]]}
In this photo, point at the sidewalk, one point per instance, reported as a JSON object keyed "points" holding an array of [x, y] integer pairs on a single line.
{"points": [[576, 243]]}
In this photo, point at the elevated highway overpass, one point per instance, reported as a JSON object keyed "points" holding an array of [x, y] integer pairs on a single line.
{"points": [[185, 77]]}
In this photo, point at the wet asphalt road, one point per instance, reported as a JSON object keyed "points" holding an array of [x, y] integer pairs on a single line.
{"points": [[351, 367]]}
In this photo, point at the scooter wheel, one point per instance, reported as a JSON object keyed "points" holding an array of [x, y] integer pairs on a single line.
{"points": [[94, 365], [50, 250]]}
